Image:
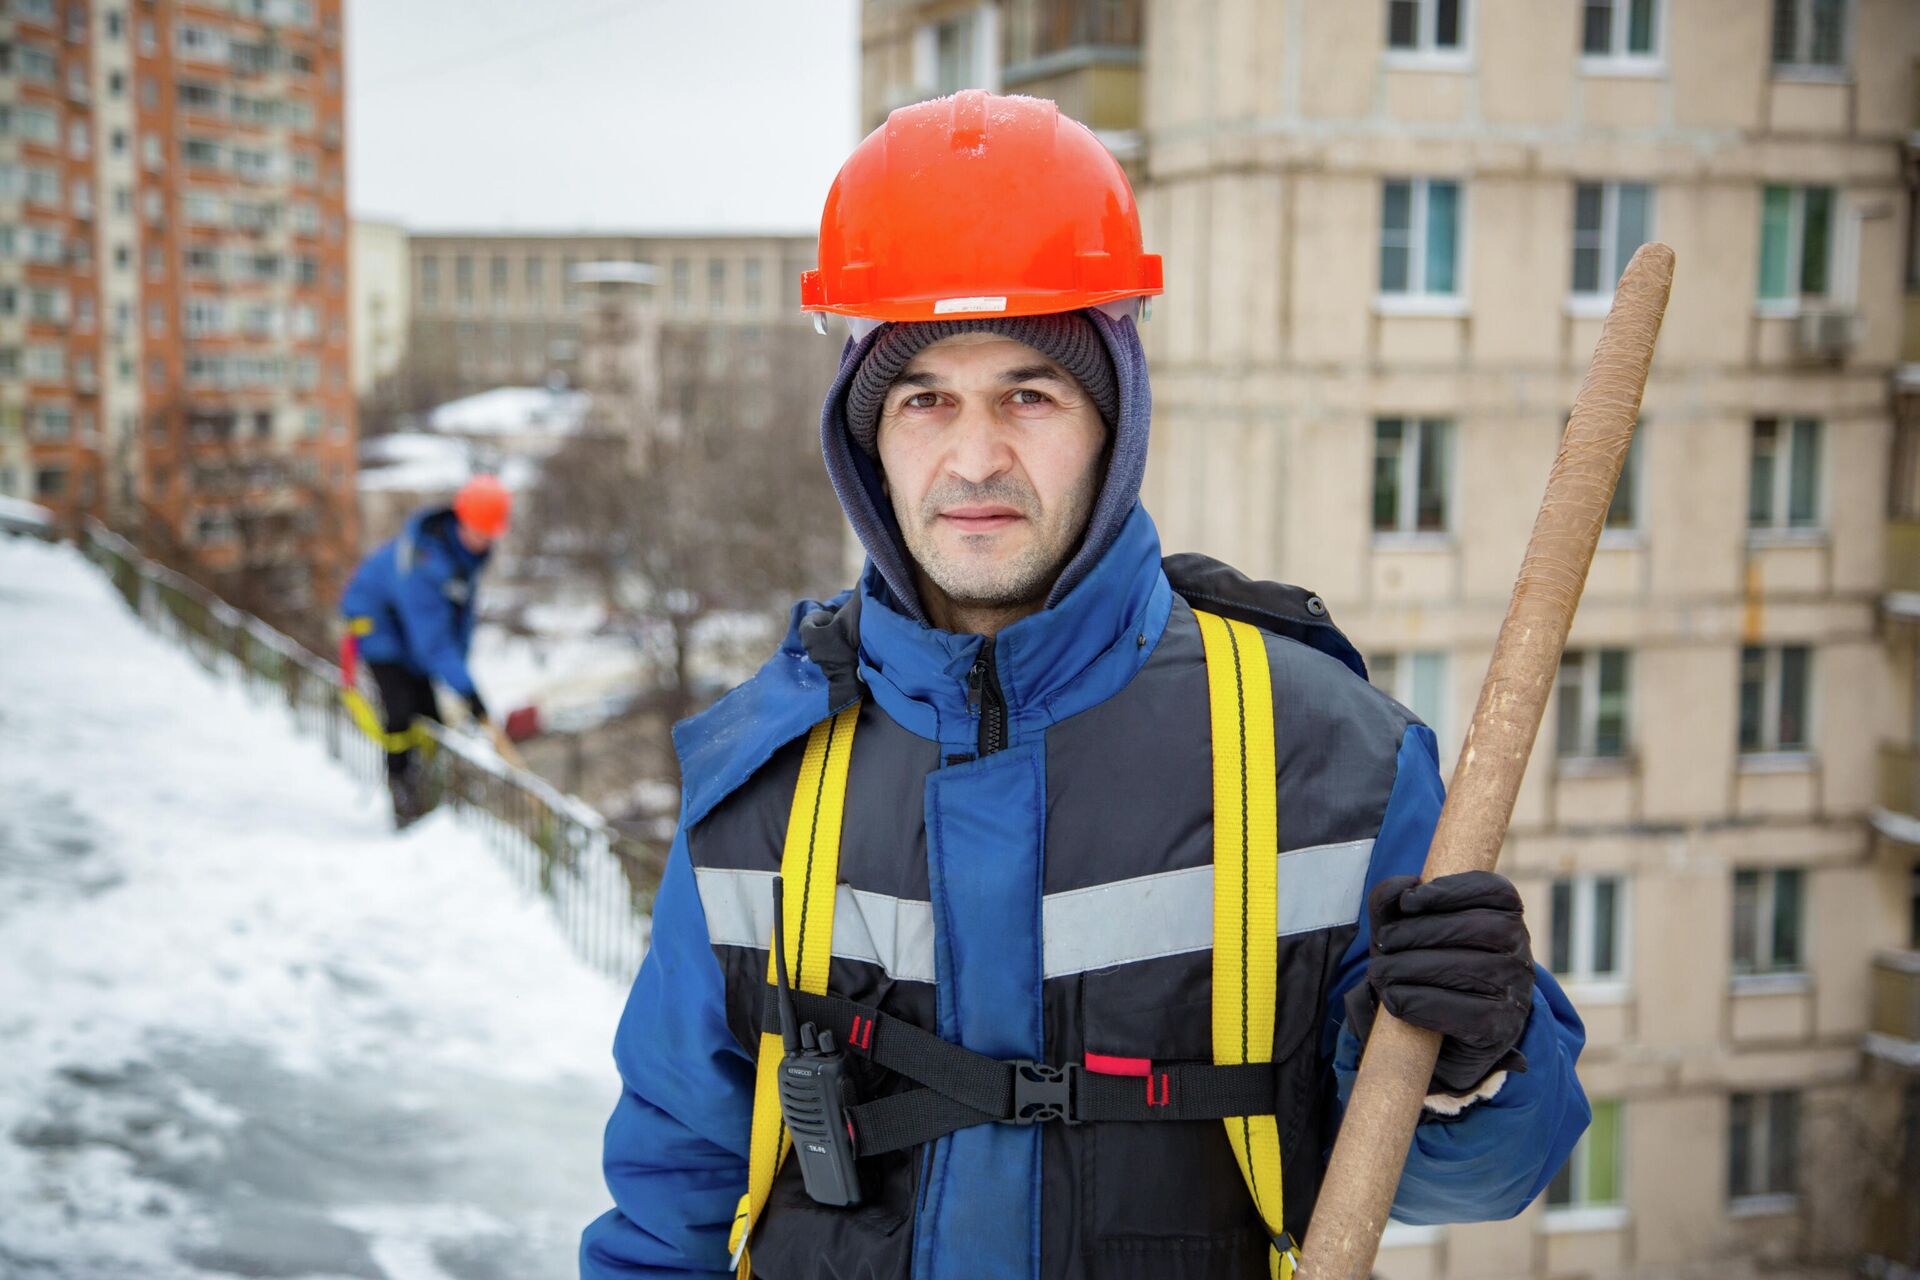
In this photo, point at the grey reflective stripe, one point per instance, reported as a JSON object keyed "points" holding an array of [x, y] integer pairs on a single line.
{"points": [[1167, 914], [894, 933], [1171, 913]]}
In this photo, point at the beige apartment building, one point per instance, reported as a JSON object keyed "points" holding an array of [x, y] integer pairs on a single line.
{"points": [[1391, 229], [487, 310]]}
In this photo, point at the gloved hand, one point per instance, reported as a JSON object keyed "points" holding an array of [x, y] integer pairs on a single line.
{"points": [[476, 708], [1451, 955]]}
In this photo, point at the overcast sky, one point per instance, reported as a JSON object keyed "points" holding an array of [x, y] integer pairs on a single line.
{"points": [[611, 114]]}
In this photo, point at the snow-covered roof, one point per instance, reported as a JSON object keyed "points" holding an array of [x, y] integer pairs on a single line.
{"points": [[512, 411], [414, 462]]}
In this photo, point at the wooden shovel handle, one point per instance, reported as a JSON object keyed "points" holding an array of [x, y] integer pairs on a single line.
{"points": [[1358, 1191]]}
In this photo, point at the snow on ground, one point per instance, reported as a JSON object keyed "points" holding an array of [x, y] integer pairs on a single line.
{"points": [[514, 411], [244, 1028]]}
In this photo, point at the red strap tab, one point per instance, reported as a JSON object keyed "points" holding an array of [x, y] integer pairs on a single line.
{"points": [[1108, 1065]]}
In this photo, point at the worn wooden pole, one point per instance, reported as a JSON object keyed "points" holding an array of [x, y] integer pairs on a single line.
{"points": [[1398, 1064]]}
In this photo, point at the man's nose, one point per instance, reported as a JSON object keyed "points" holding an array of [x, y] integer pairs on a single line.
{"points": [[980, 450]]}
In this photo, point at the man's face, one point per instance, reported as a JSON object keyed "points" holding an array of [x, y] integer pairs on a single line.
{"points": [[993, 457]]}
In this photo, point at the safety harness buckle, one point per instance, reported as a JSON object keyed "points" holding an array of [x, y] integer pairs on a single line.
{"points": [[1042, 1093]]}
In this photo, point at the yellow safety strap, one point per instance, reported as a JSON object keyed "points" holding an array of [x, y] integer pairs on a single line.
{"points": [[810, 876], [367, 720], [1246, 899], [360, 626]]}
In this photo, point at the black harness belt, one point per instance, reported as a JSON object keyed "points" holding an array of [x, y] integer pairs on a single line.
{"points": [[959, 1088]]}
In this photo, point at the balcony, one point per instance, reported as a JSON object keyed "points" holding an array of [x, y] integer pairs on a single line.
{"points": [[1893, 1029], [1903, 561], [1900, 780]]}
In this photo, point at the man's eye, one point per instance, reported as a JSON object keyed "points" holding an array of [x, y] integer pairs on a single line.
{"points": [[1027, 395], [920, 400]]}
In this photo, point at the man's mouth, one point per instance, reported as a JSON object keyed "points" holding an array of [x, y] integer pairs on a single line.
{"points": [[981, 519]]}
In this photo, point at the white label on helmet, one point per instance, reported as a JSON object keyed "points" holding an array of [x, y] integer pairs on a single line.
{"points": [[947, 306]]}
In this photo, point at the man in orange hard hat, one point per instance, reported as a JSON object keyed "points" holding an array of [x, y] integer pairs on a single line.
{"points": [[409, 612], [1034, 901]]}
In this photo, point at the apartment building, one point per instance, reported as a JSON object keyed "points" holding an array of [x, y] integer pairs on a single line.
{"points": [[493, 309], [173, 277], [1391, 230]]}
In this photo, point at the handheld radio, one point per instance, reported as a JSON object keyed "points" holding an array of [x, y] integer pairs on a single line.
{"points": [[815, 1091]]}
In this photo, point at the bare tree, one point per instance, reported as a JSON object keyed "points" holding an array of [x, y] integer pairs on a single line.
{"points": [[717, 506]]}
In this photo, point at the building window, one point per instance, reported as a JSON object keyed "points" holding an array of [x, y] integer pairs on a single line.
{"points": [[50, 482], [1419, 238], [1809, 36], [52, 422], [752, 284], [1768, 905], [717, 286], [1620, 30], [1426, 27], [1593, 694], [1417, 681], [1796, 243], [1624, 511], [1589, 929], [463, 281], [1763, 1143], [430, 282], [497, 273], [536, 278], [1774, 698], [682, 285], [1783, 478], [1591, 1178], [1412, 465], [1610, 221], [36, 64], [953, 62]]}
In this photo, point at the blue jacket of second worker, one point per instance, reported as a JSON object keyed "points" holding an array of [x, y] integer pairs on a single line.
{"points": [[1047, 897], [416, 592]]}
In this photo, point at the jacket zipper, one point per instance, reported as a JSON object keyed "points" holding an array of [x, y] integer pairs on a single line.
{"points": [[987, 701]]}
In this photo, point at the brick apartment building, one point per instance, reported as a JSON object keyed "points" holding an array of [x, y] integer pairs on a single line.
{"points": [[173, 280]]}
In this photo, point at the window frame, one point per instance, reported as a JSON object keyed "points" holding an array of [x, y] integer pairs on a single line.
{"points": [[1426, 54], [1786, 451], [1582, 893], [1597, 302], [1397, 673], [1579, 1209], [1794, 301], [1417, 299], [1588, 664], [1407, 479], [1765, 964], [1773, 679], [1761, 1120], [1618, 60], [1800, 66]]}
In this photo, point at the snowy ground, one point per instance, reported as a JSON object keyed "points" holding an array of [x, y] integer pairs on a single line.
{"points": [[244, 1029]]}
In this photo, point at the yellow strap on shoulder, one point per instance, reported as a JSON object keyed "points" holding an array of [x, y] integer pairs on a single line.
{"points": [[810, 876], [1246, 898]]}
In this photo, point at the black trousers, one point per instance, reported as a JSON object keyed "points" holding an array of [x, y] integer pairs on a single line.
{"points": [[404, 697]]}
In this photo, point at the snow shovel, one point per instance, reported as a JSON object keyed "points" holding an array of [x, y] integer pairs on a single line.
{"points": [[1398, 1063]]}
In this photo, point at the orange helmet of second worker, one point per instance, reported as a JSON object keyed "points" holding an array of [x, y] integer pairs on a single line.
{"points": [[484, 506], [978, 205]]}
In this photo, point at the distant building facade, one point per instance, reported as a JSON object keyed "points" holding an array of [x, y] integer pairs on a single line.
{"points": [[173, 291]]}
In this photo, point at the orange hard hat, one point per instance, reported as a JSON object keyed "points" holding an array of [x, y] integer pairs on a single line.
{"points": [[978, 205], [483, 505]]}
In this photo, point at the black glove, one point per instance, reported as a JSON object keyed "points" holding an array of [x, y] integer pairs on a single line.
{"points": [[1451, 955], [477, 708]]}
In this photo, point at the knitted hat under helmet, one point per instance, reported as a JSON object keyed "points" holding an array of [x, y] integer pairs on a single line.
{"points": [[1067, 338]]}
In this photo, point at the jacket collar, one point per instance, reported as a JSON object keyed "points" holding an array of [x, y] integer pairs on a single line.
{"points": [[1055, 662]]}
